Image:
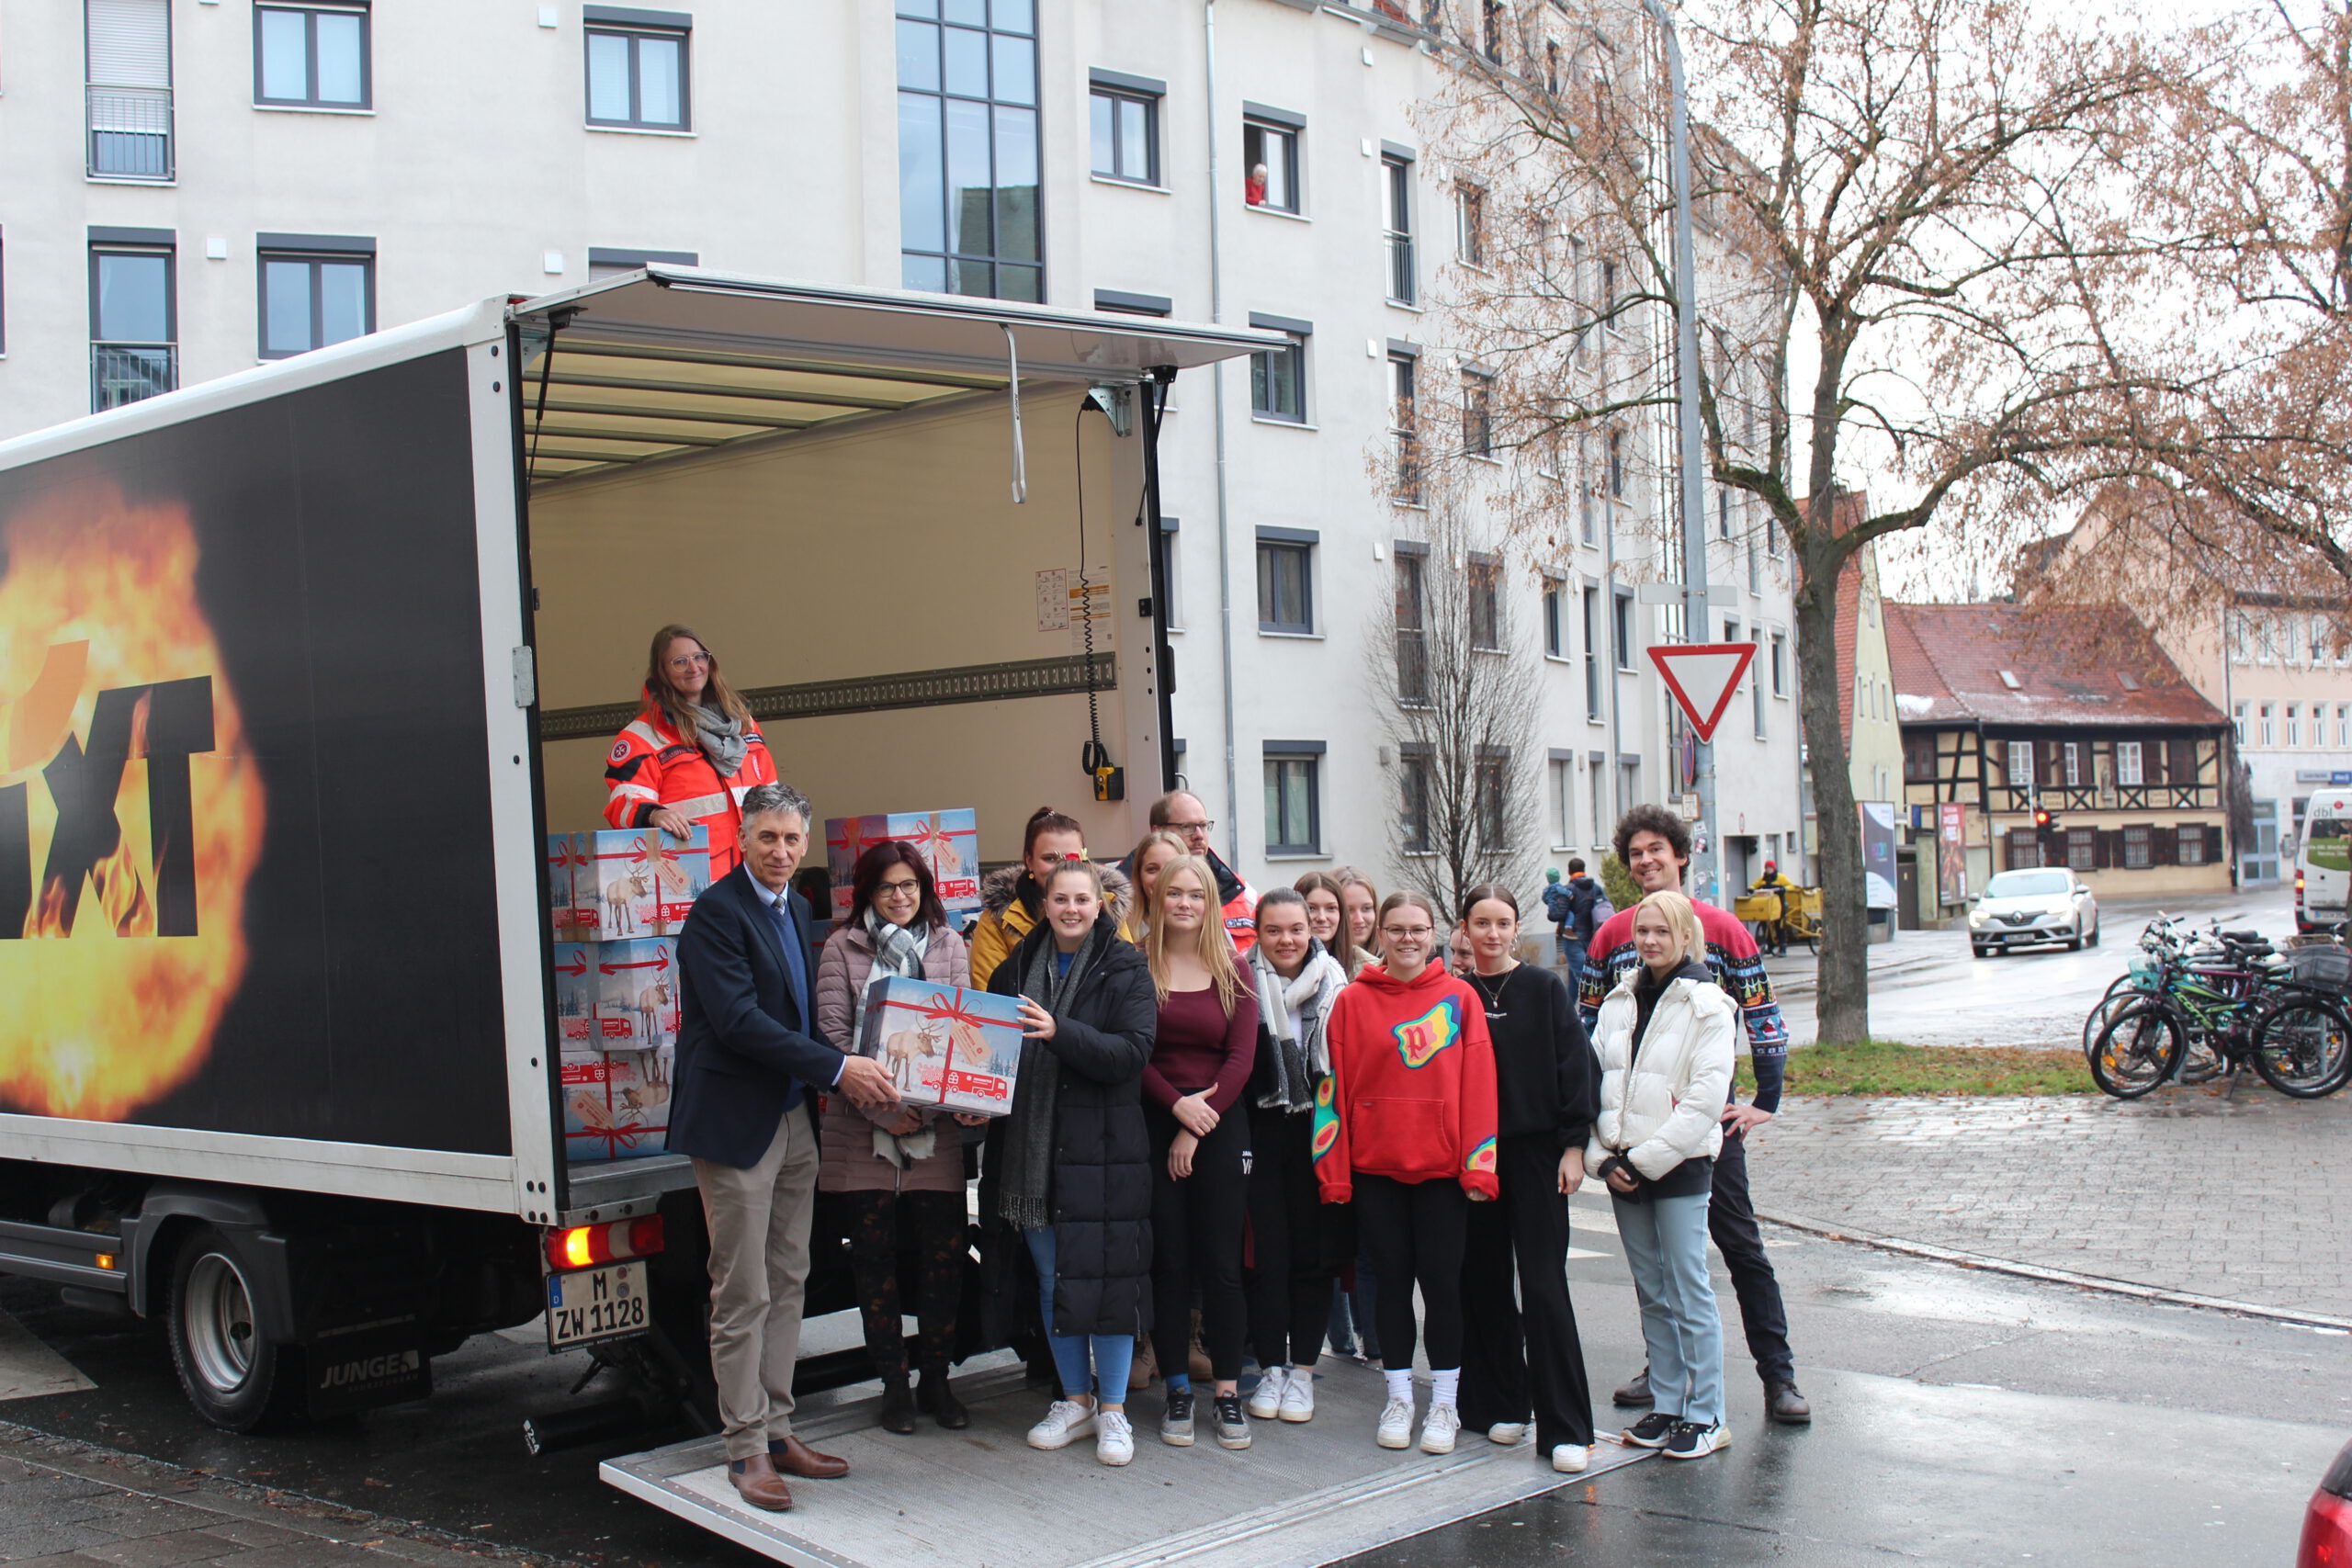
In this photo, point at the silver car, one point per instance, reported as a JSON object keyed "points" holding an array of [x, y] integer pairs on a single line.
{"points": [[2017, 908]]}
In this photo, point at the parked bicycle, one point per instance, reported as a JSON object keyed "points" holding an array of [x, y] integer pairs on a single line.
{"points": [[2229, 995]]}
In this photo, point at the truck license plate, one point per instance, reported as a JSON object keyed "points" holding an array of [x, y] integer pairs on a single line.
{"points": [[595, 1304]]}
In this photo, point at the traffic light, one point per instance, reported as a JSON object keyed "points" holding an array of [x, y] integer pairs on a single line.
{"points": [[2045, 826]]}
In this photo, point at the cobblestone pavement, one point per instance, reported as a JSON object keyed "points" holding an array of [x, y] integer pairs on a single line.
{"points": [[2243, 1198], [69, 1504]]}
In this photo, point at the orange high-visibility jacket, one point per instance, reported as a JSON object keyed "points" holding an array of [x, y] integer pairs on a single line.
{"points": [[650, 766]]}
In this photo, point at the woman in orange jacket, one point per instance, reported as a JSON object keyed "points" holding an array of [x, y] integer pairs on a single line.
{"points": [[1404, 1129], [687, 758]]}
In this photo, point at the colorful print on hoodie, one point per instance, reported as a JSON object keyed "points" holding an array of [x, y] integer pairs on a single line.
{"points": [[1411, 1094]]}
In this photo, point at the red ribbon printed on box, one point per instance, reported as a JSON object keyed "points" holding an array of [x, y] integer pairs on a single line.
{"points": [[964, 1029]]}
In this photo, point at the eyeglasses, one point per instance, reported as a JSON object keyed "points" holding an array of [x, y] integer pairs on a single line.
{"points": [[898, 889], [1052, 858], [687, 662], [1191, 827], [1408, 933]]}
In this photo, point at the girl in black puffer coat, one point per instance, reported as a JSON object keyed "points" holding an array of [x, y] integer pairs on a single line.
{"points": [[1069, 1168]]}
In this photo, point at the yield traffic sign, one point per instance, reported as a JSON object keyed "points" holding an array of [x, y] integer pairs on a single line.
{"points": [[1702, 676]]}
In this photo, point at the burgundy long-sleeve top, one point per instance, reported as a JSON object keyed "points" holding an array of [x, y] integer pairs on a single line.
{"points": [[1199, 1047]]}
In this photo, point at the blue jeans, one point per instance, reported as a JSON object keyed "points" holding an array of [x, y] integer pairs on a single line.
{"points": [[1666, 1249], [1572, 960], [1113, 1355]]}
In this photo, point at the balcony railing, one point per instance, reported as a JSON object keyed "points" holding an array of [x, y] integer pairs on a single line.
{"points": [[125, 372], [1400, 268], [1412, 667], [130, 133]]}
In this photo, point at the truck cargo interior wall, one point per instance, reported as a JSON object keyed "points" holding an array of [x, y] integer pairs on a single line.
{"points": [[909, 637]]}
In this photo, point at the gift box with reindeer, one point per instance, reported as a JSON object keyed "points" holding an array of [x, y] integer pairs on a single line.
{"points": [[946, 1047], [576, 995], [637, 993], [570, 922], [638, 882], [615, 1103], [949, 842]]}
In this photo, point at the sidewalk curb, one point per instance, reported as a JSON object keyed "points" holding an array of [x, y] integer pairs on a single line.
{"points": [[2057, 1276], [161, 1481]]}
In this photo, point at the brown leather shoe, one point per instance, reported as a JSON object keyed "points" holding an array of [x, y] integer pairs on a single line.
{"points": [[796, 1458], [758, 1484]]}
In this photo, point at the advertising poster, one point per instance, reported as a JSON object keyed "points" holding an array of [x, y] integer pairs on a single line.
{"points": [[1878, 853], [245, 880], [1951, 854]]}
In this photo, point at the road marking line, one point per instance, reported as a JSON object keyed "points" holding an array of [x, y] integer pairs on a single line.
{"points": [[29, 1369]]}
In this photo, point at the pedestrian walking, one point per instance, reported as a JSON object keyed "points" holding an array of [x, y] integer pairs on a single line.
{"points": [[1407, 1133], [1012, 897], [1664, 1046], [1654, 845], [1589, 909], [1067, 1166], [1202, 1057], [1522, 1351]]}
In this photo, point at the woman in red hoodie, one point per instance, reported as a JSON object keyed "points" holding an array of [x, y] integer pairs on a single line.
{"points": [[1404, 1129]]}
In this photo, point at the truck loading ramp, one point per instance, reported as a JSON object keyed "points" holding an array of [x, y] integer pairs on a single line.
{"points": [[1301, 1495]]}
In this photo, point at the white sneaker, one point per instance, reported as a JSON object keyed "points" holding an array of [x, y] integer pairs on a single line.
{"points": [[1114, 1439], [1066, 1421], [1438, 1429], [1299, 1396], [1506, 1432], [1395, 1425], [1266, 1399], [1569, 1459]]}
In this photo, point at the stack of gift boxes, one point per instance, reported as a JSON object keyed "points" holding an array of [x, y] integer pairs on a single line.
{"points": [[618, 900], [949, 842]]}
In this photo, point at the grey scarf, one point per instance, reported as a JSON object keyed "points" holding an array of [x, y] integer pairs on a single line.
{"points": [[897, 951], [1294, 1013], [1026, 1198], [721, 738]]}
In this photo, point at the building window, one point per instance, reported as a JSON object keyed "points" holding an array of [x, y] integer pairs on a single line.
{"points": [[1592, 704], [1562, 770], [1489, 789], [2343, 724], [134, 328], [1554, 632], [2074, 763], [1490, 31], [2319, 726], [1396, 220], [2082, 848], [1404, 426], [1623, 629], [313, 56], [2129, 768], [1285, 582], [970, 216], [2265, 640], [2294, 724], [1126, 135], [2020, 763], [1469, 224], [1919, 759], [1293, 809], [1755, 702], [1278, 382], [1270, 166], [1412, 637], [1779, 651], [1413, 801], [636, 74], [309, 301], [2138, 848], [1616, 465], [2319, 640], [129, 88], [1483, 580], [1587, 485], [1477, 413], [2237, 721], [2270, 725], [2189, 845]]}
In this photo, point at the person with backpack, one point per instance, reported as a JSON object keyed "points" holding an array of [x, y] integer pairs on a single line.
{"points": [[1588, 909]]}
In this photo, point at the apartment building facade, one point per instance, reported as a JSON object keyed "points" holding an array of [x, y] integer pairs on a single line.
{"points": [[194, 186]]}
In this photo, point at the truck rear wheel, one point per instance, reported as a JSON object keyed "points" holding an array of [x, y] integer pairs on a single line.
{"points": [[235, 1375]]}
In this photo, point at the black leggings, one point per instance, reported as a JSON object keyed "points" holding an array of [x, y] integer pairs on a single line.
{"points": [[938, 1221], [1290, 1235], [1412, 1233], [1196, 1231]]}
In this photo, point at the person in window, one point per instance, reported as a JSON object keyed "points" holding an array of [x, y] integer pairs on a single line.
{"points": [[690, 755], [903, 1163], [1012, 896], [1665, 1047], [1203, 1053], [1253, 190], [1067, 1168]]}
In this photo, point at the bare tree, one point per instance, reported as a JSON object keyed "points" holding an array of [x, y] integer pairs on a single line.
{"points": [[1459, 700], [1911, 209]]}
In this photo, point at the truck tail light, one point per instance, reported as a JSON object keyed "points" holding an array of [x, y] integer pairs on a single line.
{"points": [[584, 1247]]}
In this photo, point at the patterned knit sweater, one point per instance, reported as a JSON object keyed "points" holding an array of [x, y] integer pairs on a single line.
{"points": [[1739, 968]]}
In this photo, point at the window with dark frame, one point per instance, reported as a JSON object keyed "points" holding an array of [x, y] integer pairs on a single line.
{"points": [[135, 325], [1412, 637], [1779, 663], [1919, 759], [1592, 683], [970, 213], [312, 56], [2082, 849], [1483, 580], [1285, 585], [1404, 426], [1624, 630], [1396, 218], [1126, 132], [1490, 790], [1554, 615], [637, 68], [1477, 413], [1490, 31], [1278, 382], [1270, 166], [2189, 845], [1469, 223], [128, 87], [1616, 465], [308, 299], [1413, 801], [2138, 848], [1294, 805]]}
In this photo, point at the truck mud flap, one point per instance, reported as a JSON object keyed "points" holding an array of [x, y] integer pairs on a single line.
{"points": [[363, 1371], [1307, 1493]]}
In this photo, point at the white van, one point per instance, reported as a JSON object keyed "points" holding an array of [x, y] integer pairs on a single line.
{"points": [[2324, 861]]}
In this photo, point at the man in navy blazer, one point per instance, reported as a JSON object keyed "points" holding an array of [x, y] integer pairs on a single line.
{"points": [[749, 1059]]}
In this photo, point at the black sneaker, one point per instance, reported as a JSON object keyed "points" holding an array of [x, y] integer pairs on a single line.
{"points": [[1232, 1424], [1176, 1420], [1691, 1440], [1651, 1430]]}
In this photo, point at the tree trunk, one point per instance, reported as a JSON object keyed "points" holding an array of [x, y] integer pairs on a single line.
{"points": [[1841, 996]]}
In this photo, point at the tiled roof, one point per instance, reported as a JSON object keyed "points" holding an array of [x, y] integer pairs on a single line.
{"points": [[2067, 665]]}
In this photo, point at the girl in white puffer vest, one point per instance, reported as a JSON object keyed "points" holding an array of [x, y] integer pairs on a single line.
{"points": [[1665, 1042]]}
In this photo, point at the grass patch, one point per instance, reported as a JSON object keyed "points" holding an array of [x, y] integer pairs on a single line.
{"points": [[1888, 1066]]}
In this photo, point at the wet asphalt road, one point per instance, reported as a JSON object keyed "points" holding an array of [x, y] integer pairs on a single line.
{"points": [[1963, 1417]]}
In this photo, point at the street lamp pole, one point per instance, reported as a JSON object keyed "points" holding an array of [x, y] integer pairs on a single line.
{"points": [[1704, 850]]}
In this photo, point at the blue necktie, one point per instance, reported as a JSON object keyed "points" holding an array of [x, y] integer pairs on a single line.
{"points": [[795, 973]]}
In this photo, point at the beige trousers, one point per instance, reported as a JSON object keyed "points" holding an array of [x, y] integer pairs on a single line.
{"points": [[759, 1223]]}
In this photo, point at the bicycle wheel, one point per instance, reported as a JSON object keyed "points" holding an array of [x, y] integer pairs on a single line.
{"points": [[2303, 1048], [2136, 1050], [2121, 995]]}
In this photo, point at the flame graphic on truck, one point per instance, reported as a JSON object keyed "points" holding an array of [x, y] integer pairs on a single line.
{"points": [[131, 811]]}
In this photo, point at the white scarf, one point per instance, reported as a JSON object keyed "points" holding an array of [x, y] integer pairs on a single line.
{"points": [[1294, 1013]]}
